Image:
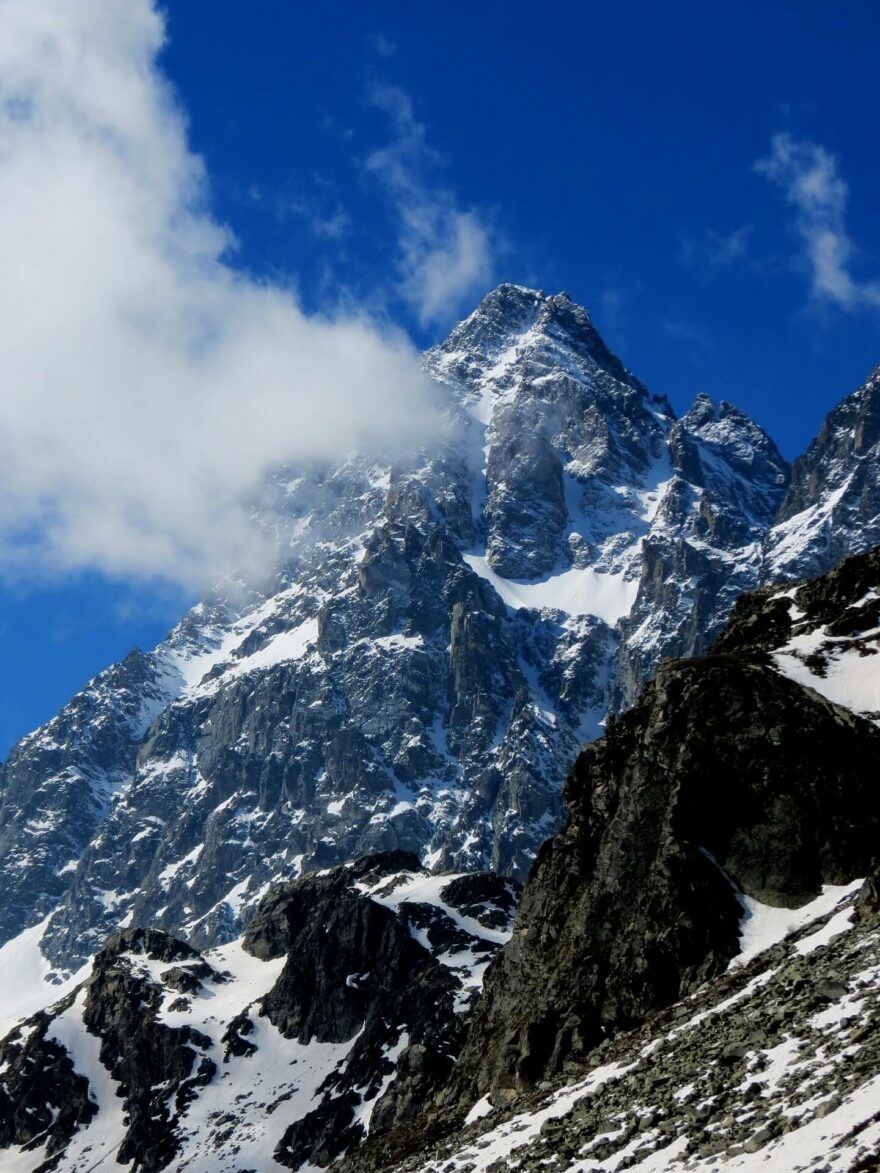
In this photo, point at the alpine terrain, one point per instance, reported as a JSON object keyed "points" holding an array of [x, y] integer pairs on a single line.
{"points": [[254, 879], [689, 983]]}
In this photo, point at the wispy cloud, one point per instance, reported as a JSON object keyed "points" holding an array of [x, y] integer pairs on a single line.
{"points": [[716, 248], [686, 331], [445, 253], [725, 247], [327, 221], [381, 44], [810, 179], [149, 386]]}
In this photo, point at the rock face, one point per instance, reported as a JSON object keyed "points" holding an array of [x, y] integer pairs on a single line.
{"points": [[705, 545], [565, 425], [340, 1013], [59, 785], [832, 507], [158, 1067], [354, 970], [723, 764], [352, 1024], [772, 1065], [731, 791], [444, 632], [727, 780], [43, 1100], [825, 634]]}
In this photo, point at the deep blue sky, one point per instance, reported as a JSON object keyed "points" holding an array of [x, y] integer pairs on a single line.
{"points": [[611, 150]]}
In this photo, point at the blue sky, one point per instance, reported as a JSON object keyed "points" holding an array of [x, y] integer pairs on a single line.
{"points": [[703, 177]]}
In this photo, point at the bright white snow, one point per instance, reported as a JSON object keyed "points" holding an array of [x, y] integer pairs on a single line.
{"points": [[762, 925], [851, 679], [25, 985], [573, 591]]}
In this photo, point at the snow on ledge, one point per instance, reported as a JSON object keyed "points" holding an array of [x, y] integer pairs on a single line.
{"points": [[851, 678], [480, 1109], [763, 925], [575, 592]]}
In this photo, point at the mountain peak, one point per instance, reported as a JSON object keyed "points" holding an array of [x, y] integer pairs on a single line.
{"points": [[516, 316], [706, 411], [832, 507], [518, 305]]}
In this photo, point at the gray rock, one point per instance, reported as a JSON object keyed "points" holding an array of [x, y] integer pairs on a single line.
{"points": [[377, 693]]}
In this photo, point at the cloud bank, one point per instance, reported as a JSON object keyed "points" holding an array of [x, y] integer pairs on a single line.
{"points": [[148, 387], [808, 175]]}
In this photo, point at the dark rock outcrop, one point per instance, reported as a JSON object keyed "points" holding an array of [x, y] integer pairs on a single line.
{"points": [[727, 778], [729, 1077], [43, 1101], [844, 602], [158, 1067], [354, 970], [723, 764], [867, 902], [355, 1032]]}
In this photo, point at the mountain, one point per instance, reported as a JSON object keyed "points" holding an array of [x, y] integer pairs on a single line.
{"points": [[339, 1012], [733, 776], [832, 507], [771, 1065], [698, 941], [444, 632], [689, 980], [705, 545]]}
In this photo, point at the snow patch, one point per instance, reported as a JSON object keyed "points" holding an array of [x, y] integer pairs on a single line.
{"points": [[27, 980], [574, 592], [762, 925]]}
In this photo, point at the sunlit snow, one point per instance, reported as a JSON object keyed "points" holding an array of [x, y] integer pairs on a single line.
{"points": [[573, 591]]}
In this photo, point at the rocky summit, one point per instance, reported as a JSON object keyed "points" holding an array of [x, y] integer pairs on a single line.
{"points": [[254, 877], [443, 633]]}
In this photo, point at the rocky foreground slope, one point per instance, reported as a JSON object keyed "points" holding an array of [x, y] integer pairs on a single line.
{"points": [[774, 1065], [729, 796], [444, 632], [648, 1010]]}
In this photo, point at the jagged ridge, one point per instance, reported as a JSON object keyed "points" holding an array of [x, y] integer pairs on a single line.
{"points": [[445, 632]]}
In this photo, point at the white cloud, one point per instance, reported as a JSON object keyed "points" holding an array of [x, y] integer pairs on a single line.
{"points": [[148, 387], [445, 253], [809, 177]]}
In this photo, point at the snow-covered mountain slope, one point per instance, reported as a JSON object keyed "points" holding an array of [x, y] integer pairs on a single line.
{"points": [[60, 783], [832, 507], [344, 1002], [774, 1065], [824, 634], [444, 632], [643, 1009], [704, 547], [643, 1013]]}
